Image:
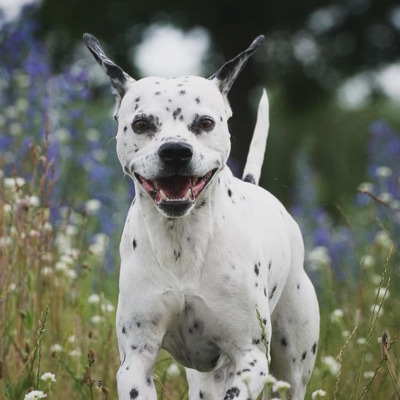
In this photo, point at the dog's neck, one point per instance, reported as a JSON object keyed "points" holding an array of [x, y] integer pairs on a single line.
{"points": [[180, 244]]}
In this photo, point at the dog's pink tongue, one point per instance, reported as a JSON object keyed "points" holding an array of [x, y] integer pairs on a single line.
{"points": [[175, 187]]}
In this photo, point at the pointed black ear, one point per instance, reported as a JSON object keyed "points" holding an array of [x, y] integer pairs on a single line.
{"points": [[228, 73], [119, 79]]}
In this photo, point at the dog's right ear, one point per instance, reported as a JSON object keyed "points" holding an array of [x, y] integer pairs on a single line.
{"points": [[120, 80]]}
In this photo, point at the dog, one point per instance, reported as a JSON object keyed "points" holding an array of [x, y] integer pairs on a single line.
{"points": [[211, 265]]}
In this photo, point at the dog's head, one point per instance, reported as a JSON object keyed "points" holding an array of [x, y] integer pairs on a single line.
{"points": [[173, 136]]}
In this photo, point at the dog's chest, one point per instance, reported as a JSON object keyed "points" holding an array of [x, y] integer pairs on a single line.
{"points": [[193, 336]]}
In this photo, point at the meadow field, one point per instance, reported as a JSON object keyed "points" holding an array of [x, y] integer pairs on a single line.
{"points": [[63, 201]]}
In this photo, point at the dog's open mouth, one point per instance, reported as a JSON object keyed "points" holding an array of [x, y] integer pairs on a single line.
{"points": [[175, 194]]}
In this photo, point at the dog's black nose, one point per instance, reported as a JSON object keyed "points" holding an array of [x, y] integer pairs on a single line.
{"points": [[175, 154]]}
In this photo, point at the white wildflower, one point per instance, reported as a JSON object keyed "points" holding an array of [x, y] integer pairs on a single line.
{"points": [[5, 241], [361, 341], [366, 187], [97, 319], [395, 204], [12, 287], [72, 339], [92, 206], [61, 266], [332, 365], [15, 129], [99, 246], [382, 293], [386, 197], [94, 299], [383, 172], [318, 257], [383, 239], [35, 395], [345, 333], [269, 380], [34, 233], [368, 261], [368, 374], [246, 377], [48, 377], [73, 253], [337, 315], [71, 230], [56, 348], [46, 271], [92, 135], [317, 394], [70, 273], [47, 226], [376, 279], [75, 353], [62, 135], [107, 307], [34, 201], [173, 370], [281, 386], [7, 208], [376, 308]]}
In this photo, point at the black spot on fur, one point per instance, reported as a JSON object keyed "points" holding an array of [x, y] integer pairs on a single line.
{"points": [[181, 117], [273, 292], [137, 99], [284, 342], [264, 321], [182, 92], [157, 93], [303, 356], [201, 394], [298, 286], [232, 393], [167, 108], [256, 341], [249, 177], [314, 348], [256, 270], [148, 380], [269, 265], [134, 244], [134, 347], [229, 192], [138, 324], [123, 330], [134, 393], [265, 292], [176, 113], [197, 100], [246, 370], [125, 128]]}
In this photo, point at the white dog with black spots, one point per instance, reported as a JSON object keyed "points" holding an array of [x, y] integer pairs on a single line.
{"points": [[211, 265]]}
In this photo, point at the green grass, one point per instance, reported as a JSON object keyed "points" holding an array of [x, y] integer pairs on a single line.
{"points": [[57, 309]]}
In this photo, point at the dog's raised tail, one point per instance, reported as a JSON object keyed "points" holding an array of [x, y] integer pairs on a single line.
{"points": [[255, 157]]}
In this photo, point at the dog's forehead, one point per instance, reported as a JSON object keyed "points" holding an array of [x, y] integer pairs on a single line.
{"points": [[184, 90]]}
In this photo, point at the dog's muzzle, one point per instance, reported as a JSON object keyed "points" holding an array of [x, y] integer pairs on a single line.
{"points": [[175, 193]]}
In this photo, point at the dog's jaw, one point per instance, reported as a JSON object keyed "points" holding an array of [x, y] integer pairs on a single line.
{"points": [[175, 196]]}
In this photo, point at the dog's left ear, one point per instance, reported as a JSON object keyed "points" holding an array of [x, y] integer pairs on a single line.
{"points": [[120, 80], [228, 73]]}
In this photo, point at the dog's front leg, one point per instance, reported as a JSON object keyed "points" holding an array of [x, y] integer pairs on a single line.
{"points": [[138, 357], [249, 369]]}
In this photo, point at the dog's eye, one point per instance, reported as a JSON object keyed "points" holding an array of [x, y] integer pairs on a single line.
{"points": [[206, 124], [141, 125]]}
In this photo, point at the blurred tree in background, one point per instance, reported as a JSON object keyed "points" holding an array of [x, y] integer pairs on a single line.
{"points": [[320, 63]]}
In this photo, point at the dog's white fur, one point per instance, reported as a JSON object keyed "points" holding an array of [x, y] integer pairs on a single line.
{"points": [[193, 284]]}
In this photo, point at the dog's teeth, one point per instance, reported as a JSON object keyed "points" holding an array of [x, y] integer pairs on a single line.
{"points": [[194, 180], [187, 195], [163, 195]]}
